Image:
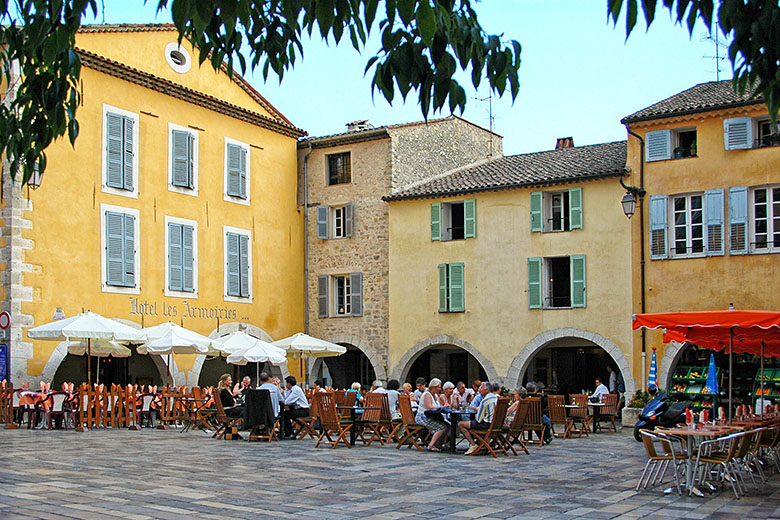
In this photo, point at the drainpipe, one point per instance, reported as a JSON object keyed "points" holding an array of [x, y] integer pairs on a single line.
{"points": [[641, 194], [306, 240]]}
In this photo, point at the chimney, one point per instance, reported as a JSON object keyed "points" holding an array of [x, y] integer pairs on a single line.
{"points": [[361, 124], [564, 142]]}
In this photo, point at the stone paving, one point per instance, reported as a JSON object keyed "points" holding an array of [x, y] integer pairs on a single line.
{"points": [[165, 474]]}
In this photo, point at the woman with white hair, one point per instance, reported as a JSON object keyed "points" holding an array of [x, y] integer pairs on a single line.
{"points": [[445, 397], [437, 427]]}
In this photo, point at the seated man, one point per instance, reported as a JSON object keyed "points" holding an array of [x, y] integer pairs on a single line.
{"points": [[600, 390], [276, 394], [295, 403], [535, 392], [485, 411]]}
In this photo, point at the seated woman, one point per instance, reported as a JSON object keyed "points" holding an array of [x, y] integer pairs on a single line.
{"points": [[518, 395], [445, 397], [225, 386], [436, 426], [358, 398]]}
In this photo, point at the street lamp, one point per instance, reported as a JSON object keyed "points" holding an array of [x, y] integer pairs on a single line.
{"points": [[629, 204]]}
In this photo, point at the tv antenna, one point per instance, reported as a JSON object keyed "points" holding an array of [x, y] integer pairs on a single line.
{"points": [[491, 119], [720, 48]]}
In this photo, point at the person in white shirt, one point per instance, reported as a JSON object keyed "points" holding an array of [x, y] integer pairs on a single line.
{"points": [[462, 396], [392, 398], [613, 386], [421, 389], [276, 394], [601, 390], [296, 404], [378, 387]]}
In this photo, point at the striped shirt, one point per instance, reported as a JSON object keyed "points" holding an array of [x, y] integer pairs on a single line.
{"points": [[486, 408]]}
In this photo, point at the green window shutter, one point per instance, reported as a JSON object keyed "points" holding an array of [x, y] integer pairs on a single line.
{"points": [[738, 220], [129, 250], [115, 241], [470, 218], [658, 215], [242, 172], [537, 224], [175, 267], [180, 148], [456, 288], [322, 221], [114, 151], [187, 259], [436, 221], [713, 217], [658, 145], [534, 283], [356, 293], [128, 155], [243, 243], [349, 218], [575, 208], [233, 265], [578, 287], [322, 296], [443, 307], [234, 170]]}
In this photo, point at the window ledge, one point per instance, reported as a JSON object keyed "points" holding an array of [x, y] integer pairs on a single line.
{"points": [[237, 299]]}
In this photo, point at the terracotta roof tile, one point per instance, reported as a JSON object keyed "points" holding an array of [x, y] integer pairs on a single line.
{"points": [[525, 170], [699, 98]]}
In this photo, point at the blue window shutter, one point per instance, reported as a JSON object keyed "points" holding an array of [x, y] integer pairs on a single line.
{"points": [[128, 156], [658, 215], [713, 210], [738, 133], [115, 241], [322, 221], [534, 283], [537, 224], [658, 145], [242, 171], [191, 162], [233, 265], [180, 148], [187, 259], [356, 293], [575, 208], [738, 220], [443, 307], [470, 218], [129, 250], [436, 221], [175, 264], [243, 242], [456, 288], [578, 285], [114, 151], [234, 170], [322, 296], [349, 219]]}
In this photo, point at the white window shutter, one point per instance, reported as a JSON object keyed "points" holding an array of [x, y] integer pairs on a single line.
{"points": [[181, 161], [244, 258], [658, 216], [233, 265], [234, 170], [738, 220], [175, 274], [713, 211], [129, 250], [114, 151], [658, 145], [128, 153], [114, 248], [188, 257], [738, 133], [349, 219]]}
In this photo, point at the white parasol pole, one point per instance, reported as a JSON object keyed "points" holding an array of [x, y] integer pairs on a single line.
{"points": [[89, 361], [762, 380], [170, 374], [731, 371]]}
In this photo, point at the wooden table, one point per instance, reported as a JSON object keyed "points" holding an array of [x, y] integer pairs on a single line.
{"points": [[453, 422], [353, 417]]}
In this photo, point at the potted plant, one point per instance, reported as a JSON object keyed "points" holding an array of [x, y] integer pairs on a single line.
{"points": [[630, 414], [678, 152], [693, 149]]}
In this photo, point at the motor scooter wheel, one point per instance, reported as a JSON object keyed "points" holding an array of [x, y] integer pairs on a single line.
{"points": [[637, 434]]}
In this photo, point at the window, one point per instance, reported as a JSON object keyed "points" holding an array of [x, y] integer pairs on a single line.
{"points": [[454, 220], [120, 152], [765, 228], [740, 133], [343, 292], [693, 222], [553, 211], [182, 160], [556, 282], [661, 145], [236, 171], [238, 264], [339, 169], [451, 288], [178, 58], [181, 270], [119, 241], [335, 221]]}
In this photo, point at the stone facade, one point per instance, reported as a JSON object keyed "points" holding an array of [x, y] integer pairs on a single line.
{"points": [[381, 159]]}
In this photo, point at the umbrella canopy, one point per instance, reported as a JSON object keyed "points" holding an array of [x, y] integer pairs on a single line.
{"points": [[306, 345], [235, 342], [88, 325], [652, 377], [99, 349], [711, 387], [169, 338], [258, 353]]}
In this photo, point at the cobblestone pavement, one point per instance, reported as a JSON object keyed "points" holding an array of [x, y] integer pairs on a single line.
{"points": [[166, 474]]}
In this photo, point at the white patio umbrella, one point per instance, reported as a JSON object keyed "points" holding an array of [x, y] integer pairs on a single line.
{"points": [[305, 345], [86, 326], [258, 352], [99, 349], [168, 338]]}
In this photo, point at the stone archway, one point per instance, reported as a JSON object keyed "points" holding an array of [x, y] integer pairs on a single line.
{"points": [[314, 365], [401, 370], [522, 361], [672, 354]]}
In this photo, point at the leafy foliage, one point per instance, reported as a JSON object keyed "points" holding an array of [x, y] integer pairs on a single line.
{"points": [[640, 399], [423, 44], [751, 25]]}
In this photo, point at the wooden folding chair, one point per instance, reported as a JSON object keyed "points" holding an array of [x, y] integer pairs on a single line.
{"points": [[580, 414], [412, 431], [490, 439], [514, 433], [330, 422], [558, 416], [533, 422], [306, 424], [608, 412], [228, 426], [374, 420]]}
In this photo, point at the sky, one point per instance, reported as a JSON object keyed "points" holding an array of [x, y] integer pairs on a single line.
{"points": [[579, 75]]}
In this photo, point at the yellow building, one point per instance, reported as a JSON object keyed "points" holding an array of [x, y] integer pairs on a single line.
{"points": [[708, 162], [513, 270], [177, 203]]}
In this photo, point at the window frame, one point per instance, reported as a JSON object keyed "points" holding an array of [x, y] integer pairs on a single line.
{"points": [[543, 285], [770, 221], [347, 295], [184, 222], [328, 158], [104, 285], [672, 226], [226, 195], [670, 142], [193, 192], [338, 212], [105, 188], [228, 297]]}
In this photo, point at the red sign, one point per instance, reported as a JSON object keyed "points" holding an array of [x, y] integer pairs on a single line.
{"points": [[5, 320]]}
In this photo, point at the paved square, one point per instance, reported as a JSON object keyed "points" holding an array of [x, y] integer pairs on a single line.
{"points": [[166, 474]]}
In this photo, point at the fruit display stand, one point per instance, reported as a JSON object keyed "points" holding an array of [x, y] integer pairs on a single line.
{"points": [[690, 381], [771, 384]]}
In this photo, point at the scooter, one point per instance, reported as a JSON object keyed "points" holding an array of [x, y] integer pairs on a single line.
{"points": [[659, 412]]}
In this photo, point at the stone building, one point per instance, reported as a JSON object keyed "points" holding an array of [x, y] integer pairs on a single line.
{"points": [[342, 179]]}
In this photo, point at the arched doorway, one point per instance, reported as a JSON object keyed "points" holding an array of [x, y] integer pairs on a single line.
{"points": [[359, 364], [136, 369], [446, 357]]}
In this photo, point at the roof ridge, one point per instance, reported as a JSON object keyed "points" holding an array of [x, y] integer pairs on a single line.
{"points": [[453, 171]]}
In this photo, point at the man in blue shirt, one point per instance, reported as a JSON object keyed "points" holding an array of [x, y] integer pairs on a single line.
{"points": [[276, 394], [296, 404], [489, 396]]}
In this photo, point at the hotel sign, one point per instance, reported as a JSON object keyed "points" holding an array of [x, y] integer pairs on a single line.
{"points": [[185, 309]]}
